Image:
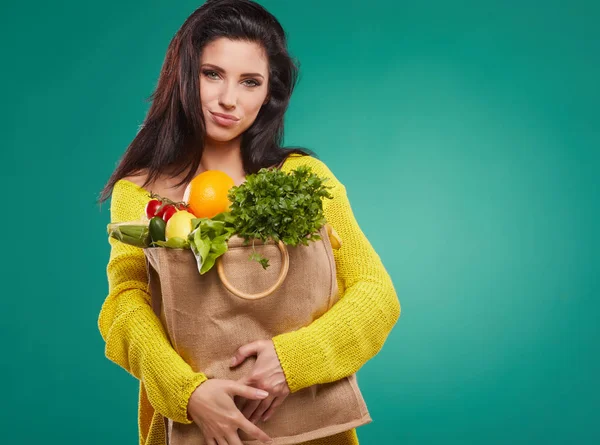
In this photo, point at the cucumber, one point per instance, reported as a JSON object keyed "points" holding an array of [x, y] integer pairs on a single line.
{"points": [[157, 227]]}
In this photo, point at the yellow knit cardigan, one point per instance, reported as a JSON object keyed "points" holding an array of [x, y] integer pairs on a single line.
{"points": [[334, 346]]}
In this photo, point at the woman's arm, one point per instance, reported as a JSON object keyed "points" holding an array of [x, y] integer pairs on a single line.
{"points": [[354, 329], [135, 338]]}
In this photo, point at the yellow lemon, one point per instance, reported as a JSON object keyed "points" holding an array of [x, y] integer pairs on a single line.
{"points": [[179, 225]]}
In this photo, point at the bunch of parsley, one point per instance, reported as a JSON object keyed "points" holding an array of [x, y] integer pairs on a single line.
{"points": [[274, 205]]}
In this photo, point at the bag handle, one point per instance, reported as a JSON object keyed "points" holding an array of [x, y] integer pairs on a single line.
{"points": [[285, 265]]}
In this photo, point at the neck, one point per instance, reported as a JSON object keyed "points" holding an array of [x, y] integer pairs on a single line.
{"points": [[224, 156]]}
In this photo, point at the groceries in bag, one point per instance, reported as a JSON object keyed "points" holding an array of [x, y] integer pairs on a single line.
{"points": [[275, 273]]}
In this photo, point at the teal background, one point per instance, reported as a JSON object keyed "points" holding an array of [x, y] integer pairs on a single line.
{"points": [[467, 135]]}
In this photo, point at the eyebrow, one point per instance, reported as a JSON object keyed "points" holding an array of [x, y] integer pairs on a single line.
{"points": [[218, 68]]}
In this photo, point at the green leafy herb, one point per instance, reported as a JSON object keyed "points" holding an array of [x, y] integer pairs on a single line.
{"points": [[174, 243], [274, 205], [255, 256], [208, 239]]}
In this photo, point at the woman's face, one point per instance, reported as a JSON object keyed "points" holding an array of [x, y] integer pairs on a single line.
{"points": [[234, 79]]}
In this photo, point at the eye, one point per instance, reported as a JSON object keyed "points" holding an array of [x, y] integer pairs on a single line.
{"points": [[254, 83], [208, 73]]}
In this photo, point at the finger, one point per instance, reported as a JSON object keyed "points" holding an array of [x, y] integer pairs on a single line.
{"points": [[211, 441], [250, 408], [222, 441], [245, 351], [236, 388], [264, 405], [250, 380], [253, 431], [268, 413], [245, 380], [234, 439]]}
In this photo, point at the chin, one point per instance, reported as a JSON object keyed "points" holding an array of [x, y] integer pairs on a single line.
{"points": [[221, 136]]}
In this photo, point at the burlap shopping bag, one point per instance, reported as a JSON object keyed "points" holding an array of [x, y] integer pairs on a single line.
{"points": [[208, 317]]}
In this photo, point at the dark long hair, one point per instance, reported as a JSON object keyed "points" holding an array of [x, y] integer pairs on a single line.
{"points": [[171, 139]]}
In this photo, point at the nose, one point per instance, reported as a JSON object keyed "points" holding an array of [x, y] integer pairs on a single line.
{"points": [[227, 96]]}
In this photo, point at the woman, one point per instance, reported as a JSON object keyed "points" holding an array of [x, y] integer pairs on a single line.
{"points": [[219, 104]]}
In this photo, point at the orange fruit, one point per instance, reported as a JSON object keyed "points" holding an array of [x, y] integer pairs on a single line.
{"points": [[206, 194]]}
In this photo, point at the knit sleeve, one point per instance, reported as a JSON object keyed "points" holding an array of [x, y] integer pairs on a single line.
{"points": [[355, 328], [135, 338]]}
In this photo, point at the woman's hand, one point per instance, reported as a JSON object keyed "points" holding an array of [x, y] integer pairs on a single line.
{"points": [[267, 374], [212, 408]]}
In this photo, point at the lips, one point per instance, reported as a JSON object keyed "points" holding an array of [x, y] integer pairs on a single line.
{"points": [[224, 120], [226, 116]]}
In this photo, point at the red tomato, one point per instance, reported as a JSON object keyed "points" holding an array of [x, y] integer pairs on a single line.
{"points": [[152, 207], [182, 207], [169, 211]]}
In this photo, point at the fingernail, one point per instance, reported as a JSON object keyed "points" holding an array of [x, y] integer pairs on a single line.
{"points": [[261, 393], [265, 419]]}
